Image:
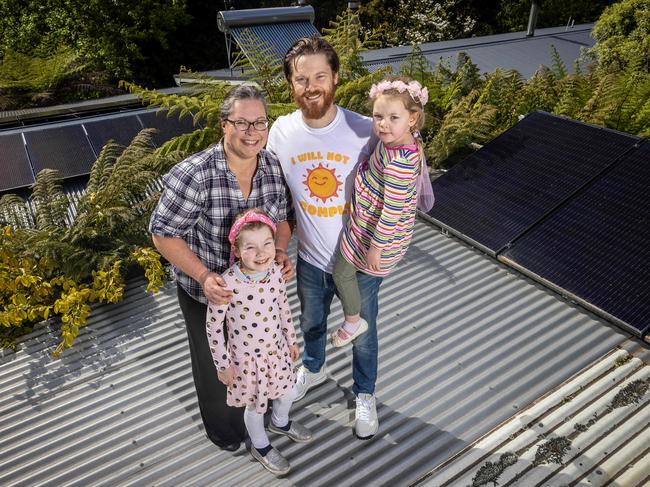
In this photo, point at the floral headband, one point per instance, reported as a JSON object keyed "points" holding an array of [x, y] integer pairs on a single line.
{"points": [[416, 90], [248, 217]]}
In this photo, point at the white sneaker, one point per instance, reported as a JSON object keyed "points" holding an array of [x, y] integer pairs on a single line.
{"points": [[305, 380], [366, 422]]}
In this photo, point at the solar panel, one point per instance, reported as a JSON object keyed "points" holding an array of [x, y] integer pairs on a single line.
{"points": [[120, 129], [15, 170], [168, 127], [65, 148], [498, 192], [279, 37], [595, 247]]}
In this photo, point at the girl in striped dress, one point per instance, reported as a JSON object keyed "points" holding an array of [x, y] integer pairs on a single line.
{"points": [[387, 188]]}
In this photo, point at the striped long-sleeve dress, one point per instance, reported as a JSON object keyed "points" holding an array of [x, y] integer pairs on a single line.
{"points": [[383, 207]]}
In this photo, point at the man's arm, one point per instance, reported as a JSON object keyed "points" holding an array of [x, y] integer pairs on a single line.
{"points": [[176, 251]]}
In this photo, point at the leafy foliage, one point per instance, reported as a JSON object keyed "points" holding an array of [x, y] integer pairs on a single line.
{"points": [[60, 266], [33, 79], [347, 38], [623, 36], [111, 36]]}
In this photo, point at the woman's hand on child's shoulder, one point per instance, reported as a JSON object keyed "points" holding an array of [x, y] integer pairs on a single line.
{"points": [[216, 289], [227, 376]]}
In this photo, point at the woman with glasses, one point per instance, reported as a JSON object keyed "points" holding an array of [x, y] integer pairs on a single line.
{"points": [[190, 226]]}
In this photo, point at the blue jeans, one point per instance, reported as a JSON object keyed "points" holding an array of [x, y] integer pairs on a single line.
{"points": [[316, 290]]}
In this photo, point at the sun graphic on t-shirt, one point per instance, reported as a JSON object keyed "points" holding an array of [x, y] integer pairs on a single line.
{"points": [[322, 182]]}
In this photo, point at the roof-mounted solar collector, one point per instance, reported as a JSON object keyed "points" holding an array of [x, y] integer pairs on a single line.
{"points": [[275, 29]]}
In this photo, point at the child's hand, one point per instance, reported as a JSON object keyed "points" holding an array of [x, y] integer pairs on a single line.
{"points": [[373, 258], [294, 352], [227, 376]]}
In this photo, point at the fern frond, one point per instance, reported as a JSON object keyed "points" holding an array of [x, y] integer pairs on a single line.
{"points": [[265, 64], [416, 66], [466, 122], [50, 201], [14, 212], [195, 141], [558, 68], [348, 39], [598, 108], [103, 166], [354, 94]]}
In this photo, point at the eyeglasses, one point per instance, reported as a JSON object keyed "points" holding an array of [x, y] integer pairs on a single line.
{"points": [[244, 125]]}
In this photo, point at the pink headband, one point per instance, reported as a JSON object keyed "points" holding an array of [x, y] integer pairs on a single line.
{"points": [[248, 217], [418, 93]]}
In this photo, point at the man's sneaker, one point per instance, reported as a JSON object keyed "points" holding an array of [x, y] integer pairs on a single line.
{"points": [[305, 380], [296, 432], [273, 461], [366, 422]]}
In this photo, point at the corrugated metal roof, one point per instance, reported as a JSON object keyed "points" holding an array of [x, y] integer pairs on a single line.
{"points": [[593, 429], [465, 344], [506, 51]]}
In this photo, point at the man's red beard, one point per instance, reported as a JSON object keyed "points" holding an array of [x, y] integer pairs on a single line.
{"points": [[314, 111]]}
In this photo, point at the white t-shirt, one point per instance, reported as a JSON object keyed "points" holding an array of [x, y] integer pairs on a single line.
{"points": [[319, 166]]}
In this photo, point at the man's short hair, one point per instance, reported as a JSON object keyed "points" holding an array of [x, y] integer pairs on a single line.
{"points": [[313, 44]]}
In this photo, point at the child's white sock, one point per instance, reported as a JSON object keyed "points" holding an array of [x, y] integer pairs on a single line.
{"points": [[351, 328]]}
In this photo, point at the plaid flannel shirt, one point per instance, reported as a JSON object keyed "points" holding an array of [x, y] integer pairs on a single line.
{"points": [[200, 198]]}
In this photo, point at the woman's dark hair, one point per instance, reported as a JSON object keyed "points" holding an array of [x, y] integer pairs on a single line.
{"points": [[241, 92]]}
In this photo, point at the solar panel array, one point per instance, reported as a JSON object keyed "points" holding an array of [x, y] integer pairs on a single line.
{"points": [[567, 204], [73, 146], [522, 175], [15, 170]]}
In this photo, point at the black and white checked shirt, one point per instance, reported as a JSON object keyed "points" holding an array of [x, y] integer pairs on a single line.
{"points": [[200, 198]]}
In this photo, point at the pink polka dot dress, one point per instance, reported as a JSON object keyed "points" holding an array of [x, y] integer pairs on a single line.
{"points": [[260, 329]]}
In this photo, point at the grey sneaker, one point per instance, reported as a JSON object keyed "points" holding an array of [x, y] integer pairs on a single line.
{"points": [[296, 432], [305, 380], [273, 461], [366, 422]]}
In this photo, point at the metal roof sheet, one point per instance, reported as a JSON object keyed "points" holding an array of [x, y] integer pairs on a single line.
{"points": [[465, 344], [506, 51]]}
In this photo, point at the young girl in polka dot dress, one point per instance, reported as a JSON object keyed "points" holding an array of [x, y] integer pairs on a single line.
{"points": [[256, 360]]}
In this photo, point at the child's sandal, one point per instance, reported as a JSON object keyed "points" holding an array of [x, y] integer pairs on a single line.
{"points": [[341, 337]]}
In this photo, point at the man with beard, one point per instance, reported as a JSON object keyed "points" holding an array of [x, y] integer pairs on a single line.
{"points": [[319, 147]]}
